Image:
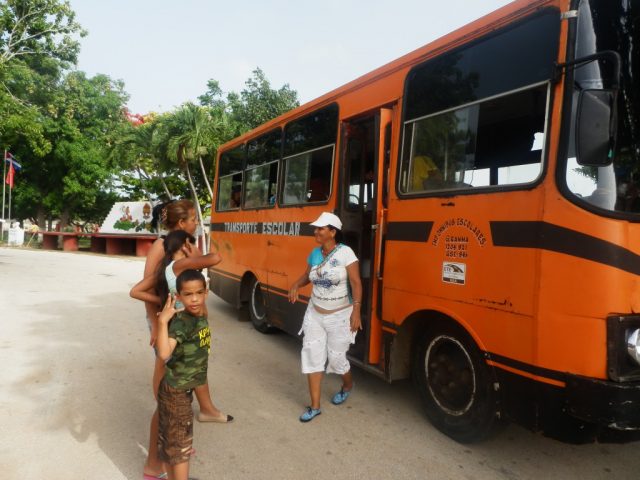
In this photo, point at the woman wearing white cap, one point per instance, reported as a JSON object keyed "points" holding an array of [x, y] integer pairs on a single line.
{"points": [[333, 315]]}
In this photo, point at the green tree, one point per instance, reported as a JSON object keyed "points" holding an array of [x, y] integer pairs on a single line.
{"points": [[142, 177], [75, 177], [45, 28], [256, 104]]}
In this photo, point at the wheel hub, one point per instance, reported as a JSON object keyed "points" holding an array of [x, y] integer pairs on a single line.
{"points": [[450, 375]]}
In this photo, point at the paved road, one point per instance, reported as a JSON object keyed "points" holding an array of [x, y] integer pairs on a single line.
{"points": [[75, 397]]}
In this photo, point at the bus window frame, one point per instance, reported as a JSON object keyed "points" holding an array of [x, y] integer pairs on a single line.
{"points": [[280, 201], [241, 172], [244, 180], [258, 137], [446, 193], [269, 162], [219, 177]]}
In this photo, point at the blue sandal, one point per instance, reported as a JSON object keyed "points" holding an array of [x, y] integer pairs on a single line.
{"points": [[309, 414], [341, 396]]}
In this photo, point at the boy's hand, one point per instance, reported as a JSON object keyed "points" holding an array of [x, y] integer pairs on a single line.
{"points": [[169, 310]]}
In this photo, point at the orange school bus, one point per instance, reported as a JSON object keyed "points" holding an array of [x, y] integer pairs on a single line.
{"points": [[489, 183]]}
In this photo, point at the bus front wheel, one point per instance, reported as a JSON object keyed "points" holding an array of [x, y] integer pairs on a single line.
{"points": [[455, 384], [257, 308]]}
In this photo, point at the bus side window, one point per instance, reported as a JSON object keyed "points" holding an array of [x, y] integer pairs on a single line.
{"points": [[307, 177], [261, 174], [230, 192], [309, 150], [230, 179], [496, 142], [475, 116]]}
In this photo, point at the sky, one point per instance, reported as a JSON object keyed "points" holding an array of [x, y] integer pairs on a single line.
{"points": [[166, 50]]}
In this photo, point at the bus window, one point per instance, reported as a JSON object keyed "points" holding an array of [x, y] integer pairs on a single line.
{"points": [[496, 142], [472, 119], [260, 186], [261, 174], [615, 187], [307, 178], [230, 179], [309, 147]]}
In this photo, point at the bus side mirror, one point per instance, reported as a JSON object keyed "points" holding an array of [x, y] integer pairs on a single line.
{"points": [[596, 128]]}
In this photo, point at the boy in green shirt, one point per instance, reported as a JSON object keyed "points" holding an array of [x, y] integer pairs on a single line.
{"points": [[184, 341]]}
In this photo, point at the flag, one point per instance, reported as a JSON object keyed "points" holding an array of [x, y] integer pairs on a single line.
{"points": [[10, 174], [11, 160]]}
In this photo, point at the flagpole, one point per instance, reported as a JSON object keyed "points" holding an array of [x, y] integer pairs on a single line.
{"points": [[4, 182], [10, 189]]}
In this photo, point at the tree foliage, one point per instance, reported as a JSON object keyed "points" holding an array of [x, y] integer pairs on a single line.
{"points": [[72, 133], [186, 140], [256, 104], [44, 28], [71, 178], [57, 121]]}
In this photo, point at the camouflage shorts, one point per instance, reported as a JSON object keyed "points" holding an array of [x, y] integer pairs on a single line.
{"points": [[175, 437]]}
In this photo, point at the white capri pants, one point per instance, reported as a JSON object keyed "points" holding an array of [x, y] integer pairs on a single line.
{"points": [[326, 337]]}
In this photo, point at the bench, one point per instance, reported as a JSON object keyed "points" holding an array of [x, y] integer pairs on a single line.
{"points": [[114, 244], [111, 244], [69, 240]]}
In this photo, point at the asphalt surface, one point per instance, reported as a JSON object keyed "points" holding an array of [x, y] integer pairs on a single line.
{"points": [[75, 397]]}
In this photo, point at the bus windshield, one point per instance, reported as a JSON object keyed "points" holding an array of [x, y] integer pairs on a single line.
{"points": [[609, 25]]}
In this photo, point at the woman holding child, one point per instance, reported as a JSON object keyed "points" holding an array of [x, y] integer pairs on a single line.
{"points": [[177, 216], [333, 315]]}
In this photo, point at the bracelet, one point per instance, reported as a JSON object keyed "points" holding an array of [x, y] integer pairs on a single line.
{"points": [[356, 302]]}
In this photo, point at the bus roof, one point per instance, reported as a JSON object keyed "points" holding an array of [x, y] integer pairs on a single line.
{"points": [[491, 21]]}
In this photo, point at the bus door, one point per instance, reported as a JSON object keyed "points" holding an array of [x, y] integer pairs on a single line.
{"points": [[362, 205]]}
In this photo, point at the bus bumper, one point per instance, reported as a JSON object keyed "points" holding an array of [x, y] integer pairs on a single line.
{"points": [[608, 404]]}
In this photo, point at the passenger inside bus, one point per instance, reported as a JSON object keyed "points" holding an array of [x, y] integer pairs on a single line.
{"points": [[236, 197], [318, 189], [426, 175]]}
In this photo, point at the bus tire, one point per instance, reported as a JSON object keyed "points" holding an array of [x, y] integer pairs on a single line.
{"points": [[455, 384], [257, 308]]}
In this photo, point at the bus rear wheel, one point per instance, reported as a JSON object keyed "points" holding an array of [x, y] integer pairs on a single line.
{"points": [[455, 384], [258, 309]]}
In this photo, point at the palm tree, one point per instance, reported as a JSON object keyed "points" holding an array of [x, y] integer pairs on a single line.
{"points": [[187, 135], [135, 149]]}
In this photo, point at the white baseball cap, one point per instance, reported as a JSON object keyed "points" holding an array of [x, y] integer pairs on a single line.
{"points": [[325, 219]]}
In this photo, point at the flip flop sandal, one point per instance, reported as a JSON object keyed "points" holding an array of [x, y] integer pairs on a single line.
{"points": [[162, 476], [203, 417]]}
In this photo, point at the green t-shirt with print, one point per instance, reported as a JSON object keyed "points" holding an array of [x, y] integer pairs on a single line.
{"points": [[187, 367]]}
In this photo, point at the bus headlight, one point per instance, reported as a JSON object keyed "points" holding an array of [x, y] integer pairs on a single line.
{"points": [[623, 348], [633, 345]]}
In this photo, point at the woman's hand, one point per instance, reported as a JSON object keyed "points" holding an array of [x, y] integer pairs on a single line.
{"points": [[356, 321], [293, 293], [187, 249], [153, 337], [301, 282]]}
